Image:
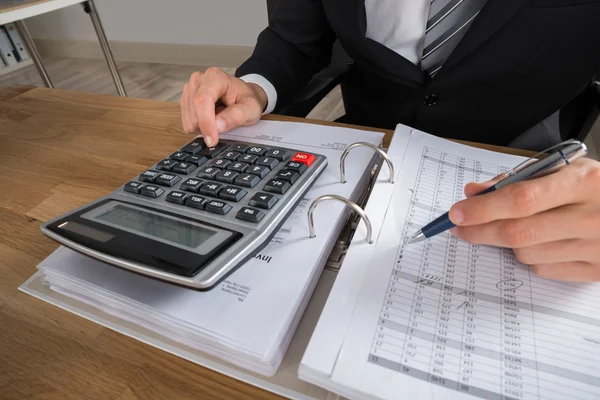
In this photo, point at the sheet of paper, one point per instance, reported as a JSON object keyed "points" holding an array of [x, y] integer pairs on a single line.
{"points": [[254, 308], [447, 320]]}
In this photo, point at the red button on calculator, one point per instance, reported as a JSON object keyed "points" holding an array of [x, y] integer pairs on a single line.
{"points": [[304, 158]]}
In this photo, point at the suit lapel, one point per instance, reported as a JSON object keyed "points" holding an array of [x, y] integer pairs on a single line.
{"points": [[493, 16]]}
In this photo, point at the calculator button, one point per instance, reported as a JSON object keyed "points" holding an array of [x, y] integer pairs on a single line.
{"points": [[191, 185], [151, 191], [296, 166], [304, 158], [166, 165], [247, 180], [176, 197], [218, 207], [220, 163], [248, 158], [133, 187], [179, 156], [212, 152], [226, 176], [250, 214], [287, 175], [197, 160], [211, 189], [263, 200], [194, 147], [167, 179], [149, 175], [232, 155], [184, 168], [195, 201], [208, 172], [256, 150], [238, 167], [232, 193], [240, 147], [269, 162], [259, 170], [278, 186], [279, 154]]}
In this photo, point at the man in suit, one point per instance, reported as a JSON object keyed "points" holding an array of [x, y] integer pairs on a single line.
{"points": [[489, 71]]}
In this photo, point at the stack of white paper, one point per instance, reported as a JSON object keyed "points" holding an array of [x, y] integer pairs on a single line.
{"points": [[250, 318]]}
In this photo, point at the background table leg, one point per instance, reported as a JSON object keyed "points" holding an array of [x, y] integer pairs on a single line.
{"points": [[37, 60], [90, 8]]}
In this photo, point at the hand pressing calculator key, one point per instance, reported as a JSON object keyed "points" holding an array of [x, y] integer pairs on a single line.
{"points": [[195, 216]]}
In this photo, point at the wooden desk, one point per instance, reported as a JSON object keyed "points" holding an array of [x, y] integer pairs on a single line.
{"points": [[18, 10], [59, 150]]}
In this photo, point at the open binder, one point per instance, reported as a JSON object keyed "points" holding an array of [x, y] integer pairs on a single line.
{"points": [[345, 340]]}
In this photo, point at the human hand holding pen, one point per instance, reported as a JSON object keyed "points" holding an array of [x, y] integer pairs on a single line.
{"points": [[551, 222]]}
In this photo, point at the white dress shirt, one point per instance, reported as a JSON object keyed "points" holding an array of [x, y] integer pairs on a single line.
{"points": [[397, 24]]}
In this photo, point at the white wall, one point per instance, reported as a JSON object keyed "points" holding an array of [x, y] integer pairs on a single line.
{"points": [[201, 22]]}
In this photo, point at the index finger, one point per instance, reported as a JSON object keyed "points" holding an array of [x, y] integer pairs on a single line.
{"points": [[518, 200], [204, 101]]}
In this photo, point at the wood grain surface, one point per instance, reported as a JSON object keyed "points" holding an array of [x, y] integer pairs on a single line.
{"points": [[59, 150]]}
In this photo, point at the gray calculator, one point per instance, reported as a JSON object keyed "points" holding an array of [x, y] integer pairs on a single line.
{"points": [[194, 217]]}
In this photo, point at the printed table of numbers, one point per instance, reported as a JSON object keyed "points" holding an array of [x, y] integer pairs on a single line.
{"points": [[472, 318]]}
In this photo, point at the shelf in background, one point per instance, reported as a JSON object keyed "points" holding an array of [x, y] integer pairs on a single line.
{"points": [[22, 64]]}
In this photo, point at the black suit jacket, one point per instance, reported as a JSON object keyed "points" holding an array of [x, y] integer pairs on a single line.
{"points": [[520, 61]]}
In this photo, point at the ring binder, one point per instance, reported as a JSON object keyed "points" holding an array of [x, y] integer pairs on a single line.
{"points": [[354, 206], [377, 149]]}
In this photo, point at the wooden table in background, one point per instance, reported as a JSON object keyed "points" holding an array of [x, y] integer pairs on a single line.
{"points": [[59, 150]]}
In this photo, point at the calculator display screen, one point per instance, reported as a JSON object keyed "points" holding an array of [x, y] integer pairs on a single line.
{"points": [[156, 225]]}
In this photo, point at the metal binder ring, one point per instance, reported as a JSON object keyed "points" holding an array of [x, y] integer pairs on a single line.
{"points": [[359, 211], [377, 149]]}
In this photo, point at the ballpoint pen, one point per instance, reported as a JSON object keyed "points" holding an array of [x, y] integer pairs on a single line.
{"points": [[565, 153]]}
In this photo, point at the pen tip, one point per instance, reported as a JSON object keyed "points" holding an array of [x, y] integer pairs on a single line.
{"points": [[417, 237]]}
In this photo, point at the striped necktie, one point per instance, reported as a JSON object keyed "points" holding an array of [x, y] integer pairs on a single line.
{"points": [[448, 21]]}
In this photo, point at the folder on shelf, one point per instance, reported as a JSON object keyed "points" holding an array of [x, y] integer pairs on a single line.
{"points": [[6, 49], [17, 42], [365, 316]]}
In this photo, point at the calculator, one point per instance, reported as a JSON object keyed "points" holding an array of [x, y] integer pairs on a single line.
{"points": [[196, 215]]}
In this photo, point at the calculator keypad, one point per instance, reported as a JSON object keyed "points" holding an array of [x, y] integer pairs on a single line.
{"points": [[191, 185], [184, 168], [247, 180], [226, 176], [208, 172], [263, 200], [211, 189], [167, 179], [217, 207], [176, 197], [166, 165], [152, 191], [223, 177], [149, 176]]}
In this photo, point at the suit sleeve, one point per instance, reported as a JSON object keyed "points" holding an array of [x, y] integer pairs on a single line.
{"points": [[296, 45]]}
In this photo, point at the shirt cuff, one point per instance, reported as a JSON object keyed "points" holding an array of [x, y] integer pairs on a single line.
{"points": [[266, 86]]}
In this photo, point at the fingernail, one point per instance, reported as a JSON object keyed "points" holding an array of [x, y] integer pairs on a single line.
{"points": [[457, 216], [221, 125], [454, 232], [210, 141]]}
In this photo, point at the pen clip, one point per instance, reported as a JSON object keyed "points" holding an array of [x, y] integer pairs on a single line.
{"points": [[534, 158]]}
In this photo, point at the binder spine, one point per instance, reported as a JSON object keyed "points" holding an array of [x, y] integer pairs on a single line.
{"points": [[6, 49], [17, 42]]}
